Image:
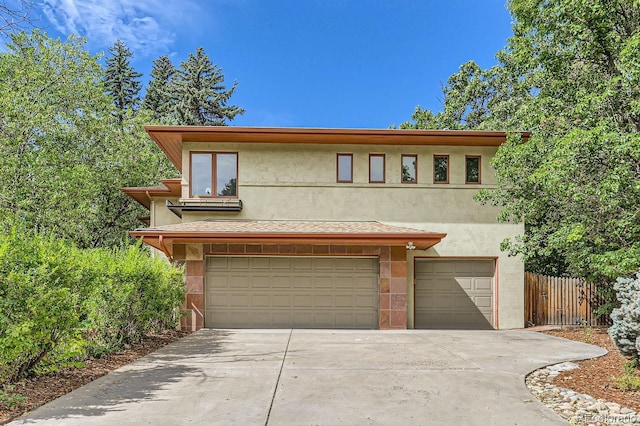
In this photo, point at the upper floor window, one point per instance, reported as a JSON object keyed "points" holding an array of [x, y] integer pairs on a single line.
{"points": [[214, 174], [376, 168], [441, 169], [472, 169], [345, 168], [409, 168]]}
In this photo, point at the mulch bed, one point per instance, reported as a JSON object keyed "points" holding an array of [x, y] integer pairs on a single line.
{"points": [[41, 389], [596, 377]]}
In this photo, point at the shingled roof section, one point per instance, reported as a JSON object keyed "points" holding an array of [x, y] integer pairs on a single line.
{"points": [[291, 227]]}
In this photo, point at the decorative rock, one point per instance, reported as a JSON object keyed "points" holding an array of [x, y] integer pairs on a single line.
{"points": [[579, 409]]}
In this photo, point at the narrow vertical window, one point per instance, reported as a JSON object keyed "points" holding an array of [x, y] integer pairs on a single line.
{"points": [[376, 168], [227, 175], [345, 168], [409, 168], [472, 173], [440, 169], [201, 175]]}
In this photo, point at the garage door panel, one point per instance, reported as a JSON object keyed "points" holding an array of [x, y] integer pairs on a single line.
{"points": [[323, 264], [258, 300], [280, 262], [366, 300], [217, 264], [239, 300], [239, 281], [484, 269], [343, 282], [302, 301], [446, 267], [260, 263], [258, 282], [295, 292], [465, 283], [365, 283], [344, 301], [241, 263], [323, 301], [483, 302], [218, 301], [281, 281], [454, 293], [303, 282], [323, 282], [483, 284]]}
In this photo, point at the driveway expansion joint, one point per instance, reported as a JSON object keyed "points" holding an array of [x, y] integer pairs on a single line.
{"points": [[275, 388]]}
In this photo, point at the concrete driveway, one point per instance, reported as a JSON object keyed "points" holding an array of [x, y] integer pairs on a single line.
{"points": [[324, 377]]}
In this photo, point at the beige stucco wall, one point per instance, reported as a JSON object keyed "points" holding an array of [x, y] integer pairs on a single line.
{"points": [[298, 182], [161, 215], [308, 163]]}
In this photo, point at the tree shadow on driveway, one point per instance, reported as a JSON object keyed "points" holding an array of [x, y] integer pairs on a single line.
{"points": [[141, 381]]}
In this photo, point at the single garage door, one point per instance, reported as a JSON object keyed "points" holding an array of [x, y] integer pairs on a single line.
{"points": [[291, 292], [454, 294]]}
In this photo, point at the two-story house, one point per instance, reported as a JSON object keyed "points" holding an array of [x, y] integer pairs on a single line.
{"points": [[334, 228]]}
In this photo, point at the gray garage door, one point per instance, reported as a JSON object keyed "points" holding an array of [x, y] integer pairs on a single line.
{"points": [[455, 294], [291, 292]]}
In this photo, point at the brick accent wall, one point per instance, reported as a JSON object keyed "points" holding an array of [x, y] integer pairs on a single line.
{"points": [[392, 288]]}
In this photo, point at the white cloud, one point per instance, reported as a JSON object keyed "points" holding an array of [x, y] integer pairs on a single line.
{"points": [[144, 25]]}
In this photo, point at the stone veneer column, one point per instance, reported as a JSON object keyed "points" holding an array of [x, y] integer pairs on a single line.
{"points": [[194, 275], [398, 289], [384, 313]]}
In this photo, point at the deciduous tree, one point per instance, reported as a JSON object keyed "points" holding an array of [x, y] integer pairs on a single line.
{"points": [[570, 74], [64, 155]]}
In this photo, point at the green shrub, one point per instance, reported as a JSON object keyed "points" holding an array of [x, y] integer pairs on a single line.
{"points": [[625, 331], [630, 380], [60, 304], [40, 299], [136, 295]]}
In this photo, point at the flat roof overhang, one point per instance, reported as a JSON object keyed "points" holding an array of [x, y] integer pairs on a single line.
{"points": [[164, 240], [144, 195], [170, 138]]}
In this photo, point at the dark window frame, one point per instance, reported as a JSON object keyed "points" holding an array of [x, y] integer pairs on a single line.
{"points": [[466, 169], [384, 166], [439, 182], [344, 154], [214, 174], [415, 165]]}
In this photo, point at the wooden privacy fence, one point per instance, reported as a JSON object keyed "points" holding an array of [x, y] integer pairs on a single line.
{"points": [[560, 301]]}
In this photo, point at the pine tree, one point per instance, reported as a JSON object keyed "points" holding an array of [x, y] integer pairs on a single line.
{"points": [[201, 98], [159, 99], [121, 80]]}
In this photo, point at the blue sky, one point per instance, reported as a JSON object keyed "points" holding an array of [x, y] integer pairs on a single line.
{"points": [[302, 63]]}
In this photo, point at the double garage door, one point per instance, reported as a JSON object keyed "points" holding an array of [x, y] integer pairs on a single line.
{"points": [[291, 292], [454, 294], [327, 292]]}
